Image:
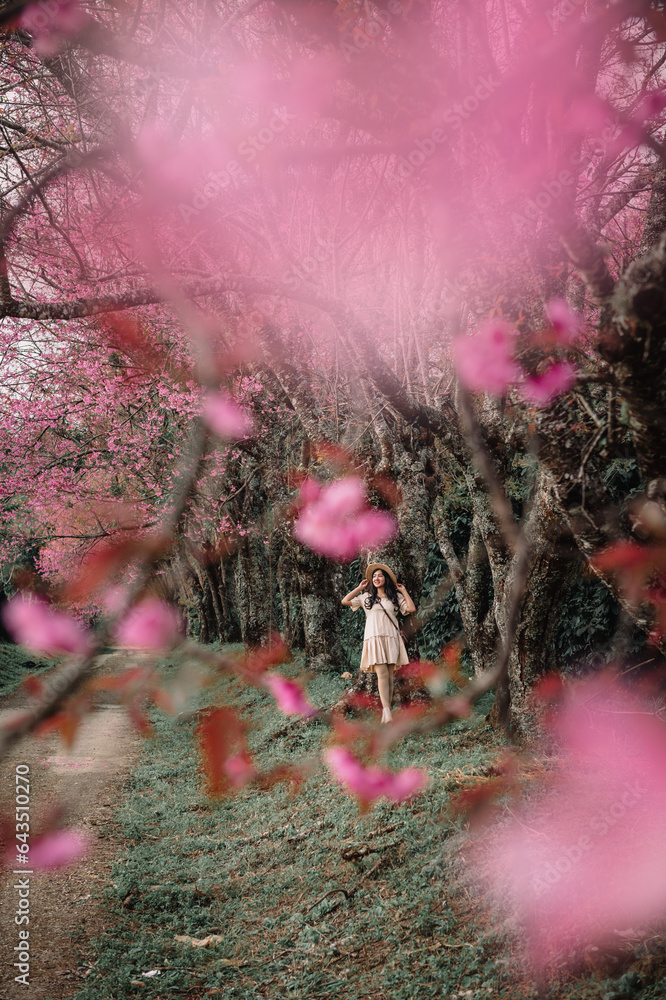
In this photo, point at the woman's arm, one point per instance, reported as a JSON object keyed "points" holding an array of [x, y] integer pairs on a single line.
{"points": [[347, 599], [410, 606]]}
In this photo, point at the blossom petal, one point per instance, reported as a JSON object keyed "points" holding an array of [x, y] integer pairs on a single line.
{"points": [[543, 389], [58, 848], [369, 783], [226, 419], [288, 695], [485, 360], [566, 323], [152, 624], [34, 624]]}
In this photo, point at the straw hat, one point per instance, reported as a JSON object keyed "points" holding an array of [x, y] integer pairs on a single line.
{"points": [[384, 568]]}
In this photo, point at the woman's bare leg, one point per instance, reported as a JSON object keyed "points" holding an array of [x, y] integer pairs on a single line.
{"points": [[391, 672], [383, 683]]}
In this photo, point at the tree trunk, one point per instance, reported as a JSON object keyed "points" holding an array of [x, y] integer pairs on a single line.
{"points": [[474, 590], [290, 599], [554, 564], [321, 593], [252, 596]]}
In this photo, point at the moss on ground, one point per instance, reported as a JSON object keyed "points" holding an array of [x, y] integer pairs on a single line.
{"points": [[15, 665]]}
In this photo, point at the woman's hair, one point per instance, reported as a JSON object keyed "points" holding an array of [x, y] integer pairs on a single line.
{"points": [[389, 589]]}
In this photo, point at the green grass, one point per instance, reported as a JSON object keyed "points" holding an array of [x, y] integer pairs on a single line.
{"points": [[15, 665], [191, 867]]}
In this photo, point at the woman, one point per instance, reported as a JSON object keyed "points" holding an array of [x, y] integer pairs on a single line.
{"points": [[383, 648]]}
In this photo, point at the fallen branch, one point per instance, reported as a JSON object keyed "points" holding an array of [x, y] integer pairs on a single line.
{"points": [[347, 894]]}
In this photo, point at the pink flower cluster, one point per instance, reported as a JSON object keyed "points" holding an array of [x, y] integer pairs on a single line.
{"points": [[370, 783], [36, 625], [486, 361], [225, 418], [51, 24], [585, 858], [335, 521], [151, 624]]}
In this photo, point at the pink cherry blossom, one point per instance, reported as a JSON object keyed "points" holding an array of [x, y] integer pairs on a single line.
{"points": [[369, 783], [57, 848], [288, 695], [309, 492], [34, 624], [152, 624], [240, 770], [343, 497], [485, 360], [585, 857], [52, 24], [566, 323], [543, 389], [338, 525], [226, 419]]}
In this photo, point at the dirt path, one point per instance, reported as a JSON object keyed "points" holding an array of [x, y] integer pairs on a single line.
{"points": [[64, 913]]}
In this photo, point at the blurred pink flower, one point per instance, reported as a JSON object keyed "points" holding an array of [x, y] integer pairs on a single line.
{"points": [[652, 104], [369, 783], [288, 695], [587, 856], [309, 492], [58, 848], [240, 770], [566, 323], [151, 624], [543, 389], [336, 523], [225, 418], [34, 624], [485, 360], [52, 24]]}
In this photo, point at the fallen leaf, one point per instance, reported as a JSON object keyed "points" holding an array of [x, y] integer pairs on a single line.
{"points": [[200, 942]]}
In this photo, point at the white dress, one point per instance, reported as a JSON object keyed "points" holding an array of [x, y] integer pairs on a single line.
{"points": [[382, 642]]}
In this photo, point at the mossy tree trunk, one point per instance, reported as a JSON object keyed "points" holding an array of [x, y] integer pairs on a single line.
{"points": [[320, 589]]}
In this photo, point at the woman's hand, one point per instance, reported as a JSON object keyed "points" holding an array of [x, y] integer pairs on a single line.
{"points": [[410, 607], [347, 599]]}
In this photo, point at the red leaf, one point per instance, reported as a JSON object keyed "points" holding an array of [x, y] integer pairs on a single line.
{"points": [[66, 722], [138, 716], [123, 333], [258, 661], [108, 557], [622, 556], [33, 685], [221, 735], [388, 489]]}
